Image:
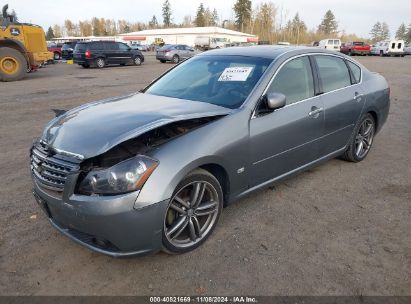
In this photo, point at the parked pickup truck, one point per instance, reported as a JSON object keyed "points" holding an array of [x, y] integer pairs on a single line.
{"points": [[55, 49], [355, 48]]}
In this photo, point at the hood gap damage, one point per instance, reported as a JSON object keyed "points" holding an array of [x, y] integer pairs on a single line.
{"points": [[145, 142]]}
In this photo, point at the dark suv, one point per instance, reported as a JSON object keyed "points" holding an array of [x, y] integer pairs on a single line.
{"points": [[102, 53]]}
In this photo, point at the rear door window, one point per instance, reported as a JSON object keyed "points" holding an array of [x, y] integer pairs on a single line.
{"points": [[333, 72], [123, 47], [112, 46], [97, 46]]}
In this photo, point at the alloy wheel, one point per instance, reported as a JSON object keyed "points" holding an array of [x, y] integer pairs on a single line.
{"points": [[137, 61], [364, 138], [191, 214], [100, 62]]}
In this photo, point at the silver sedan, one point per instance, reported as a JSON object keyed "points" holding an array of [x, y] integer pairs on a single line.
{"points": [[153, 170], [175, 53]]}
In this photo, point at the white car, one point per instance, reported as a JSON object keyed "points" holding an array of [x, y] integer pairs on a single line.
{"points": [[330, 44], [389, 48]]}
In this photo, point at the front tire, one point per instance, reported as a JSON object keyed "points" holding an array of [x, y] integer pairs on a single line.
{"points": [[362, 139], [57, 56], [193, 212], [137, 60], [13, 65], [176, 59]]}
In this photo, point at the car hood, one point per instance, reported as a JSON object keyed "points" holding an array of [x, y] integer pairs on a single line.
{"points": [[94, 128]]}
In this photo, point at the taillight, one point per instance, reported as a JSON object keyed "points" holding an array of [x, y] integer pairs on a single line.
{"points": [[88, 54]]}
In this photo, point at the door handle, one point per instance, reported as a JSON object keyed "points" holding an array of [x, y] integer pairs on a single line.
{"points": [[315, 111], [357, 97]]}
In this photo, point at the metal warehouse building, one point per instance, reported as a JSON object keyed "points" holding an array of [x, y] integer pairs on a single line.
{"points": [[186, 35]]}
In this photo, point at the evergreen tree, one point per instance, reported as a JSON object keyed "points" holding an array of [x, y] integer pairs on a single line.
{"points": [[328, 25], [200, 19], [408, 35], [385, 31], [167, 13], [214, 18], [376, 32], [401, 32], [153, 23], [242, 11], [50, 34]]}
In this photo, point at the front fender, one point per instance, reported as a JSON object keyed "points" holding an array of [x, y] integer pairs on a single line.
{"points": [[223, 142]]}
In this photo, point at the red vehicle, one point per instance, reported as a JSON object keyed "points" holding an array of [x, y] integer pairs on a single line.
{"points": [[55, 49], [355, 48]]}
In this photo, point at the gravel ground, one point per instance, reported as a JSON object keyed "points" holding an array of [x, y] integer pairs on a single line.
{"points": [[338, 229]]}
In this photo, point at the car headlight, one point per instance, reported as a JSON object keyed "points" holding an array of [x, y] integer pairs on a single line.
{"points": [[126, 176]]}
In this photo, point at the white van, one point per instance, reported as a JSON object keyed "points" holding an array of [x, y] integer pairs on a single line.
{"points": [[389, 48], [330, 44]]}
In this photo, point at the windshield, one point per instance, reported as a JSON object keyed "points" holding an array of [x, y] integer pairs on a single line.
{"points": [[221, 80]]}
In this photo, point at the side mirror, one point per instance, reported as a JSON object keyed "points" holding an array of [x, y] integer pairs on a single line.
{"points": [[275, 100]]}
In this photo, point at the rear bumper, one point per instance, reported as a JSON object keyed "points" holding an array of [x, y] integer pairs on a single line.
{"points": [[164, 57], [107, 225], [83, 61]]}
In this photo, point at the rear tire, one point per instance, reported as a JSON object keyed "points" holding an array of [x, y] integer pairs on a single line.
{"points": [[362, 139], [100, 63], [13, 65], [381, 53], [57, 56]]}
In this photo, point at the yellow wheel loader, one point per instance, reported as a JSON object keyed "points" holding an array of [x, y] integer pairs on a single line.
{"points": [[23, 48]]}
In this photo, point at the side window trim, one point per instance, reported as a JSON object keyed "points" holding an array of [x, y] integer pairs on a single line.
{"points": [[352, 73], [352, 78], [318, 89]]}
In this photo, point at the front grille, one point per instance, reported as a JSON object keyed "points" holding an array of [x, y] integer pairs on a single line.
{"points": [[51, 170]]}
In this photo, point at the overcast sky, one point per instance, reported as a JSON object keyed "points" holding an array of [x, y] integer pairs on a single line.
{"points": [[353, 16]]}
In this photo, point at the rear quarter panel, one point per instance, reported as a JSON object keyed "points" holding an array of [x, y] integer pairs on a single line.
{"points": [[376, 90]]}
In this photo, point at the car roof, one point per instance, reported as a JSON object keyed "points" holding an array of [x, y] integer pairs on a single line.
{"points": [[266, 51]]}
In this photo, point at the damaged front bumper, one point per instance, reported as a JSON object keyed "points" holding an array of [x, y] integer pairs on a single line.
{"points": [[106, 224]]}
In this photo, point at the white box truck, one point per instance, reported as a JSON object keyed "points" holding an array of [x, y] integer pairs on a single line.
{"points": [[208, 43]]}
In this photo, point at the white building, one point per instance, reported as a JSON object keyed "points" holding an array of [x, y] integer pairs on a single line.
{"points": [[186, 35]]}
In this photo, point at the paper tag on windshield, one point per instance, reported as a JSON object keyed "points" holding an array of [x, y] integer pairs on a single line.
{"points": [[235, 74]]}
